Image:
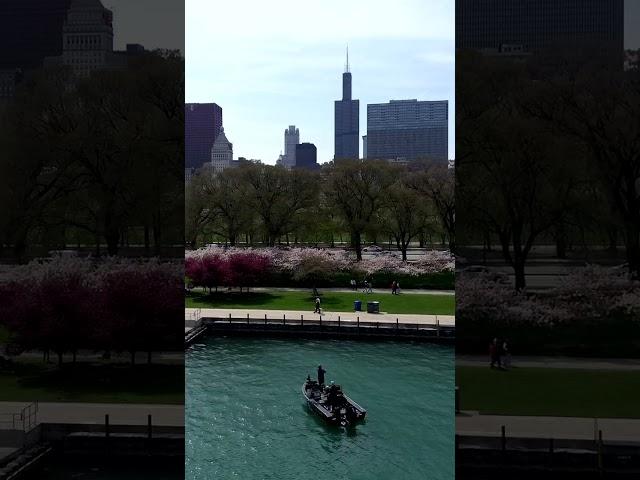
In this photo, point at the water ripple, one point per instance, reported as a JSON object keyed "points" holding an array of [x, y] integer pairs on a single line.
{"points": [[246, 417]]}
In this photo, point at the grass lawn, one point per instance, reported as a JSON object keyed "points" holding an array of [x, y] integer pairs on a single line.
{"points": [[4, 335], [550, 391], [93, 383], [331, 301]]}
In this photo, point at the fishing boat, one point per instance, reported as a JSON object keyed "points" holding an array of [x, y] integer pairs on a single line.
{"points": [[331, 404]]}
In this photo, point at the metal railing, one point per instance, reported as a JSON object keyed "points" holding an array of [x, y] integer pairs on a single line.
{"points": [[194, 315], [433, 329], [24, 420]]}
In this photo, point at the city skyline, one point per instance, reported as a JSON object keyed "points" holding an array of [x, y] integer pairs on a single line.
{"points": [[294, 77]]}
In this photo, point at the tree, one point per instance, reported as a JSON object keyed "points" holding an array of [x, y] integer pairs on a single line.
{"points": [[600, 107], [511, 178], [228, 199], [404, 218], [279, 197], [437, 183], [357, 190], [247, 269], [198, 210]]}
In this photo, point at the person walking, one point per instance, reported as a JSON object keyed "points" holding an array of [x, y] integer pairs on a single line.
{"points": [[367, 286], [318, 309], [353, 285], [394, 287]]}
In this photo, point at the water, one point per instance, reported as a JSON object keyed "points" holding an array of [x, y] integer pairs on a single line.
{"points": [[84, 468], [246, 417]]}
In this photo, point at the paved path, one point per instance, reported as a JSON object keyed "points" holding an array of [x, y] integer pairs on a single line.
{"points": [[574, 428], [192, 313], [627, 364], [93, 413], [414, 291]]}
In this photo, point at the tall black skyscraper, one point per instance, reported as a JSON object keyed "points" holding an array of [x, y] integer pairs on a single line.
{"points": [[31, 30], [347, 121], [537, 25]]}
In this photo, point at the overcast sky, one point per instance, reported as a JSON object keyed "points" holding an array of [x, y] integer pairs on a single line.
{"points": [[279, 63]]}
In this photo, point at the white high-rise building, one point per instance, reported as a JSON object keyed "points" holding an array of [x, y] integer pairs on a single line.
{"points": [[221, 153], [291, 139], [87, 37]]}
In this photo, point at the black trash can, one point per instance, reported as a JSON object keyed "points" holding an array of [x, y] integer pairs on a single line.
{"points": [[373, 307]]}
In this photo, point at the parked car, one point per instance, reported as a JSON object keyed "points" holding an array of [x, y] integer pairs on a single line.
{"points": [[492, 275]]}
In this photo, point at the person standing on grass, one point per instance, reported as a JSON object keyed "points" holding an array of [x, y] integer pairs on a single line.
{"points": [[507, 354], [317, 310], [493, 353], [394, 286], [353, 285]]}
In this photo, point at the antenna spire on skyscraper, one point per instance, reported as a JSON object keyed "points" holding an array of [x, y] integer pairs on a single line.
{"points": [[347, 65]]}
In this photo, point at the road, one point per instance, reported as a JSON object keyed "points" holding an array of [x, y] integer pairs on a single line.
{"points": [[93, 413], [572, 428]]}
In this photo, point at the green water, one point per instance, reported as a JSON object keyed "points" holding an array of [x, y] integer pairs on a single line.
{"points": [[82, 468], [246, 417]]}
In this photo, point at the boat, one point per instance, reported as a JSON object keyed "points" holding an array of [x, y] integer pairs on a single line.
{"points": [[331, 404]]}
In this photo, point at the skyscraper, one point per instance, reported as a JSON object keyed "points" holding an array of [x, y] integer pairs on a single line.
{"points": [[202, 124], [87, 37], [307, 156], [221, 153], [536, 25], [31, 31], [347, 124], [291, 139], [408, 130]]}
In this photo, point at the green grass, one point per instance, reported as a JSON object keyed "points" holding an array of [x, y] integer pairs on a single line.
{"points": [[4, 335], [93, 383], [331, 301], [550, 391]]}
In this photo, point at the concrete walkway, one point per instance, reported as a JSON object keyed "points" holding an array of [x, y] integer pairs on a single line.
{"points": [[414, 291], [191, 314], [93, 413], [573, 428], [627, 364]]}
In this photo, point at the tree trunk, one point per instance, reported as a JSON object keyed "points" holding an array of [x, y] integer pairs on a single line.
{"points": [[356, 240], [149, 357], [633, 249], [518, 268], [561, 247], [112, 237], [133, 358], [147, 241], [612, 233], [59, 359]]}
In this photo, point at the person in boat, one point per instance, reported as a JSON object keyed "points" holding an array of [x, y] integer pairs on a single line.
{"points": [[321, 372]]}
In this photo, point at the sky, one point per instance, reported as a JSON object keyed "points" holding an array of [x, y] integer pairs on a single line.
{"points": [[152, 23], [631, 22], [279, 63]]}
